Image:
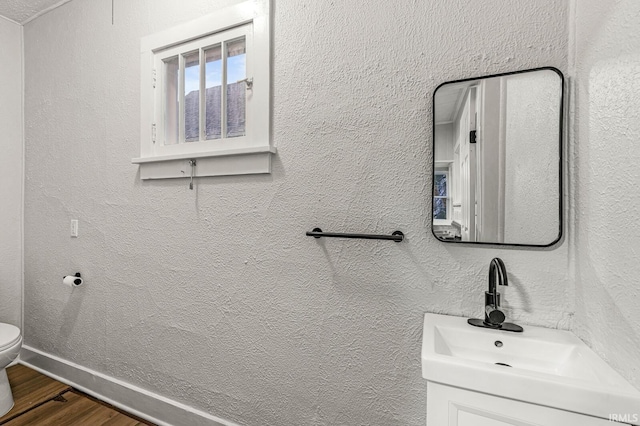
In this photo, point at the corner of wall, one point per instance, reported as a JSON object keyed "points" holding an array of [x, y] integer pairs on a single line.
{"points": [[22, 187]]}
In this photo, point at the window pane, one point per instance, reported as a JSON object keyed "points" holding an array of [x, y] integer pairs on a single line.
{"points": [[192, 96], [439, 208], [213, 83], [171, 104], [236, 70], [440, 183]]}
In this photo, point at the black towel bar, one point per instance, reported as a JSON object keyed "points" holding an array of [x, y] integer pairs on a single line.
{"points": [[396, 236]]}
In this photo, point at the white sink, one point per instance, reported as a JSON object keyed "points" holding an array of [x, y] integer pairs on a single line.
{"points": [[547, 367]]}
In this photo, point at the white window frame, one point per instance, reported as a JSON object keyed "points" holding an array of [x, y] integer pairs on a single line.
{"points": [[202, 146], [248, 154], [447, 197]]}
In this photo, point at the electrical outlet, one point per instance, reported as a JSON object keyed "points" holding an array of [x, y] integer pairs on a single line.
{"points": [[74, 228]]}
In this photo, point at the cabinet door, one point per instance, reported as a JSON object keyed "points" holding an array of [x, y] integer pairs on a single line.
{"points": [[449, 406]]}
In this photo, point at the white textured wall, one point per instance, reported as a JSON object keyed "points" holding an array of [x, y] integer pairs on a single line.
{"points": [[606, 61], [11, 172], [215, 297], [532, 144]]}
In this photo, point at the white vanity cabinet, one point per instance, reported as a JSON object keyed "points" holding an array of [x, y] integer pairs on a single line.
{"points": [[540, 377], [451, 406]]}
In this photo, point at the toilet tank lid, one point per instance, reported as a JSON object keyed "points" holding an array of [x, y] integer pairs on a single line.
{"points": [[9, 334]]}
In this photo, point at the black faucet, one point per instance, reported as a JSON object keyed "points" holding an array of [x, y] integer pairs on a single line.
{"points": [[493, 316], [492, 313]]}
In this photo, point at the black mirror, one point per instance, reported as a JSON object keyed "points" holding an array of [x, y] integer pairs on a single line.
{"points": [[497, 159]]}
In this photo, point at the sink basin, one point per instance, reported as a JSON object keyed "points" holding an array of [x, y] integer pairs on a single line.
{"points": [[542, 366]]}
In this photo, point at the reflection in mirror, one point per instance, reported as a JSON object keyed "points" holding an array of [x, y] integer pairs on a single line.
{"points": [[497, 159]]}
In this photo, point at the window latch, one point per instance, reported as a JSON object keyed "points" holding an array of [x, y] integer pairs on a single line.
{"points": [[192, 163], [248, 81]]}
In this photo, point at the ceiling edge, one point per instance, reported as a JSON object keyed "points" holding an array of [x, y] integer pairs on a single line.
{"points": [[47, 10], [10, 20]]}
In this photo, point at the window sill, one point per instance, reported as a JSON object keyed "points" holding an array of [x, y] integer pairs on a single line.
{"points": [[241, 161]]}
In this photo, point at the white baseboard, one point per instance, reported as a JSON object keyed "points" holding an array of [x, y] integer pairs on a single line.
{"points": [[130, 398]]}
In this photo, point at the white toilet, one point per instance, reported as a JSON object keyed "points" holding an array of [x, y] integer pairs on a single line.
{"points": [[10, 344]]}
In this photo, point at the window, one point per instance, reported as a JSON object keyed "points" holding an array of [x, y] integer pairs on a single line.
{"points": [[205, 95], [202, 90], [441, 196]]}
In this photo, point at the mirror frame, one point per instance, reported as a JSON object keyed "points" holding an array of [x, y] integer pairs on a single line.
{"points": [[560, 159]]}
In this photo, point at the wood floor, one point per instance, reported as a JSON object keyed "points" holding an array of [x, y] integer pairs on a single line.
{"points": [[40, 400]]}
